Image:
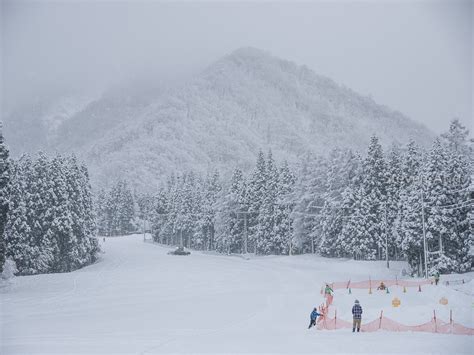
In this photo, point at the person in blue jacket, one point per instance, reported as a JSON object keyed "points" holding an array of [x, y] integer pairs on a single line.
{"points": [[314, 315]]}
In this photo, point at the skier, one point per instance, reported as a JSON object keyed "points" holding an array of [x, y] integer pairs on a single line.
{"points": [[381, 287], [328, 290], [357, 316], [436, 277], [314, 315]]}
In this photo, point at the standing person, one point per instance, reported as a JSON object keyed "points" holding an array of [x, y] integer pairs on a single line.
{"points": [[356, 316], [328, 290], [314, 315], [436, 278]]}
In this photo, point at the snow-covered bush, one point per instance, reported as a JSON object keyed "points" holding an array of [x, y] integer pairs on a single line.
{"points": [[9, 269]]}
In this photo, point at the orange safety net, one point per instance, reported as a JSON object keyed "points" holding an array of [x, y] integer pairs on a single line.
{"points": [[375, 283], [434, 326]]}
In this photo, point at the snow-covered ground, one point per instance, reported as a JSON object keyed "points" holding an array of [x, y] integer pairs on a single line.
{"points": [[138, 299], [415, 307]]}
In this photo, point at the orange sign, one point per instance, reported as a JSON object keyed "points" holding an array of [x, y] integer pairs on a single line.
{"points": [[443, 301], [396, 302]]}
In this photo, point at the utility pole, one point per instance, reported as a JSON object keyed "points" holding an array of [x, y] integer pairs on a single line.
{"points": [[386, 238], [289, 234], [245, 233], [424, 230]]}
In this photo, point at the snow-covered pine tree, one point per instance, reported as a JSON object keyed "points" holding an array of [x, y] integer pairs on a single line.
{"points": [[76, 206], [17, 230], [394, 185], [457, 140], [267, 241], [351, 209], [411, 228], [62, 222], [411, 170], [309, 195], [120, 207], [459, 234], [39, 188], [356, 239], [50, 224], [145, 207], [184, 208], [211, 190], [101, 212], [4, 183], [436, 216], [232, 210], [127, 212], [89, 244], [160, 217], [341, 169], [458, 174], [375, 189], [256, 195], [283, 233]]}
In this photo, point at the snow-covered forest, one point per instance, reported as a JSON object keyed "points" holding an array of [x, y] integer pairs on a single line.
{"points": [[347, 204], [47, 213]]}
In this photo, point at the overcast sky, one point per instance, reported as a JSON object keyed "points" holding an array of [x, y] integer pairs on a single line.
{"points": [[414, 56]]}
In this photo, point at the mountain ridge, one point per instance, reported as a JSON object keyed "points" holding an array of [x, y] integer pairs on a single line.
{"points": [[245, 101]]}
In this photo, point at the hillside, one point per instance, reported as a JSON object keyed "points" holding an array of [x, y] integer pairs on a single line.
{"points": [[246, 101]]}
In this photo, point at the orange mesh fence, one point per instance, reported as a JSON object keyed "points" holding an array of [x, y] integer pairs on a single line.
{"points": [[376, 283], [434, 326], [384, 323]]}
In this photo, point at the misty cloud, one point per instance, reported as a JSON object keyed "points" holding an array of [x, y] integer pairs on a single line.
{"points": [[414, 57]]}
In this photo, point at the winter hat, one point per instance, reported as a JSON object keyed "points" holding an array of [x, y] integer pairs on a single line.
{"points": [[356, 301]]}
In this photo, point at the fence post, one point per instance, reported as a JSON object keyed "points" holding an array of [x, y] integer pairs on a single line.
{"points": [[434, 317], [335, 319], [380, 321]]}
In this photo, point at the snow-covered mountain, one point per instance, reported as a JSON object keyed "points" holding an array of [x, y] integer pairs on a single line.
{"points": [[246, 101]]}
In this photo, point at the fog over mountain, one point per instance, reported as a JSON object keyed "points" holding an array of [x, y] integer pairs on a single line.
{"points": [[246, 101]]}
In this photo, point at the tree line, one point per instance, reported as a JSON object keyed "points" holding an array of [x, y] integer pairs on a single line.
{"points": [[408, 203], [46, 213], [393, 205]]}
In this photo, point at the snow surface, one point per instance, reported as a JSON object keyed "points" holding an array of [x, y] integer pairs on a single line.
{"points": [[137, 299]]}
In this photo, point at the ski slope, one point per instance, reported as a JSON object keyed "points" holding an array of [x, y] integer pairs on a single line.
{"points": [[139, 300]]}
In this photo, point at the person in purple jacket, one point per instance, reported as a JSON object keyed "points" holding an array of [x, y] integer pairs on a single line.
{"points": [[356, 316]]}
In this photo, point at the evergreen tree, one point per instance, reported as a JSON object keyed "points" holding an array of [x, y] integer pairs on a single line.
{"points": [[394, 183], [50, 223], [310, 193], [283, 234], [411, 226], [374, 190], [211, 192], [17, 229], [256, 195], [266, 240], [231, 216], [351, 209], [4, 183]]}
